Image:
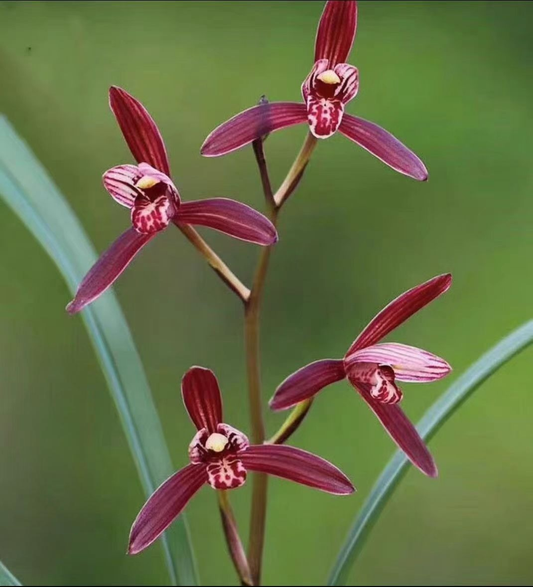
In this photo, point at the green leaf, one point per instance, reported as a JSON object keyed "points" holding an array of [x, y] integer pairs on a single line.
{"points": [[29, 191], [6, 578], [434, 418]]}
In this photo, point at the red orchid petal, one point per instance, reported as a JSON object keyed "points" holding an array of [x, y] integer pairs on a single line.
{"points": [[297, 465], [120, 182], [139, 130], [384, 146], [230, 217], [349, 86], [401, 430], [306, 382], [202, 399], [164, 505], [251, 124], [408, 362], [108, 267], [399, 310], [336, 31]]}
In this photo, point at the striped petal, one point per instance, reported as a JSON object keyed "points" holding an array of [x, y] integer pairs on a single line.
{"points": [[336, 31], [164, 506], [139, 130], [399, 310], [307, 382], [401, 430], [108, 268], [408, 362], [230, 217], [384, 146], [120, 182], [252, 124], [297, 465], [202, 399]]}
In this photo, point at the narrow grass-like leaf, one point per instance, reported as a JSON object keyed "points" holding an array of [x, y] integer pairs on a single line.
{"points": [[6, 578], [434, 418], [29, 191]]}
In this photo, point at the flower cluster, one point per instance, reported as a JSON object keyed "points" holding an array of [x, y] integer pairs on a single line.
{"points": [[219, 455]]}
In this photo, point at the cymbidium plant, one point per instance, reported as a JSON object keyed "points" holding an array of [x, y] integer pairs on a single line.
{"points": [[221, 456]]}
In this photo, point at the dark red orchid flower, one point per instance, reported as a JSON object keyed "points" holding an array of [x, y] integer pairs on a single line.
{"points": [[221, 456], [154, 202], [373, 370], [331, 84]]}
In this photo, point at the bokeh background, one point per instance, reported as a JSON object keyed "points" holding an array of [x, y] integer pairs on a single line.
{"points": [[453, 81]]}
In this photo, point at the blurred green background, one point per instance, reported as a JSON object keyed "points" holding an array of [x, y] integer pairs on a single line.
{"points": [[450, 79]]}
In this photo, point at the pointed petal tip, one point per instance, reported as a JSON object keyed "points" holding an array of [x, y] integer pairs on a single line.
{"points": [[430, 469], [72, 307], [274, 406], [348, 490]]}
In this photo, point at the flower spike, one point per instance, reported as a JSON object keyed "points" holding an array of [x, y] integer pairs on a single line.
{"points": [[373, 370], [220, 456]]}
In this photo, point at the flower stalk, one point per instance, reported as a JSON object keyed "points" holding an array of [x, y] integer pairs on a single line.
{"points": [[231, 532], [252, 342], [215, 262]]}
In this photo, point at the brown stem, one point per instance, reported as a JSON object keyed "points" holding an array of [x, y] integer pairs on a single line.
{"points": [[215, 262], [231, 532], [251, 336], [259, 152]]}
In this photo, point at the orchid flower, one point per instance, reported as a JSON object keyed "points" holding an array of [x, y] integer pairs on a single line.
{"points": [[221, 456], [373, 370], [327, 89], [147, 190]]}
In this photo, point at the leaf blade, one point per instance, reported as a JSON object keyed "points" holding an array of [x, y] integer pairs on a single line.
{"points": [[431, 422], [28, 190], [7, 579]]}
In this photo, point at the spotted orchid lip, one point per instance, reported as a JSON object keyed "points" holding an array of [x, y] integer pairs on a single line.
{"points": [[221, 457]]}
